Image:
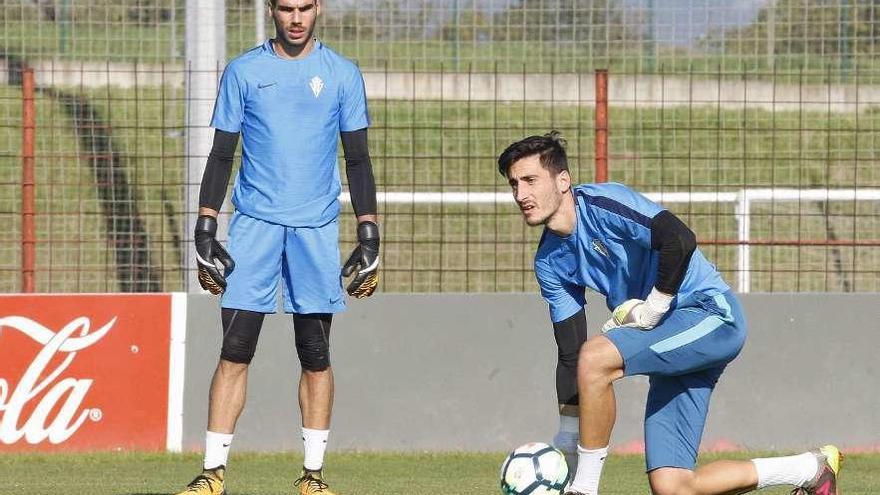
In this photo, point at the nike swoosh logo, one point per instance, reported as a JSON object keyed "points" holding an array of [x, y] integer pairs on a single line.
{"points": [[226, 445], [266, 85]]}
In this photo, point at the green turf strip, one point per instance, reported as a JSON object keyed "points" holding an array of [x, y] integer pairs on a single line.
{"points": [[348, 473]]}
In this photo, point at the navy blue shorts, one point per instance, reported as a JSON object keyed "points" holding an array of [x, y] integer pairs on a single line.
{"points": [[683, 356]]}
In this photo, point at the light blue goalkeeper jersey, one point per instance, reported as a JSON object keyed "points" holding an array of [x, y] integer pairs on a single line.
{"points": [[610, 252], [290, 114]]}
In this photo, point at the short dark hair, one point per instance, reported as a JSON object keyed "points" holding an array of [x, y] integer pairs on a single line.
{"points": [[550, 148]]}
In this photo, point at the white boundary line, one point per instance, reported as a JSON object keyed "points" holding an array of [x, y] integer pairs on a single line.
{"points": [[460, 197], [176, 372]]}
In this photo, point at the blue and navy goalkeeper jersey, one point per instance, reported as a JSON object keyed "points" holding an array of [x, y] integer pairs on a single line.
{"points": [[610, 253]]}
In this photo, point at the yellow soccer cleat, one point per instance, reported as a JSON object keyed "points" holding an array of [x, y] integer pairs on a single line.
{"points": [[210, 482], [312, 482], [825, 481]]}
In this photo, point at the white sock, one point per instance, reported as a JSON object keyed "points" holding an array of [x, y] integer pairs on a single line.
{"points": [[589, 470], [566, 440], [790, 470], [216, 449], [315, 444]]}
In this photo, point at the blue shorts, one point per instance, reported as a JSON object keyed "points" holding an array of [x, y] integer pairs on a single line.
{"points": [[683, 356], [306, 258]]}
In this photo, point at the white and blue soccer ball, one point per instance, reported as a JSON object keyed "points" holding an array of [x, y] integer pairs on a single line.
{"points": [[534, 469]]}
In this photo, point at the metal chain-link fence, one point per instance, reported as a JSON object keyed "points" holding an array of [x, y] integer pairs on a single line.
{"points": [[758, 123], [486, 35]]}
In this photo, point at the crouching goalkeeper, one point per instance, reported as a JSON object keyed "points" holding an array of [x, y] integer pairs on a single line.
{"points": [[675, 320]]}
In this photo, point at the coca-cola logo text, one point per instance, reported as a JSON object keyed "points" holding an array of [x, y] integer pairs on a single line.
{"points": [[46, 386]]}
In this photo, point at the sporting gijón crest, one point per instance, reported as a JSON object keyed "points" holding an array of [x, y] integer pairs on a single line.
{"points": [[317, 85]]}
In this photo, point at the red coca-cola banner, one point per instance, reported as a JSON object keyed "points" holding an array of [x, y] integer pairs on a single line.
{"points": [[84, 372]]}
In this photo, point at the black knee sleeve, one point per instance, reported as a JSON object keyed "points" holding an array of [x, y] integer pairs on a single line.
{"points": [[570, 334], [241, 330], [312, 337]]}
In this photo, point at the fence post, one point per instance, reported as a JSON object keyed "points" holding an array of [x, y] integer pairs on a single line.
{"points": [[28, 131], [204, 61], [744, 226], [601, 125]]}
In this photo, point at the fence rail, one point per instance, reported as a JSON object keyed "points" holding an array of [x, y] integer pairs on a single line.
{"points": [[756, 163], [731, 91], [743, 199]]}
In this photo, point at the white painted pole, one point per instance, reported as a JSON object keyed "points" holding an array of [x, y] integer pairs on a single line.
{"points": [[176, 372], [205, 45], [743, 221], [744, 216], [259, 21], [771, 35]]}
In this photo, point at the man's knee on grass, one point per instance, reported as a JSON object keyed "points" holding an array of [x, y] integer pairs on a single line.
{"points": [[671, 481]]}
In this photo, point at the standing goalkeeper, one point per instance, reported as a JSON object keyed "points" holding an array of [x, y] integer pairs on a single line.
{"points": [[674, 320], [290, 99]]}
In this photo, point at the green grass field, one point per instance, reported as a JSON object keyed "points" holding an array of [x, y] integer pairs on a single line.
{"points": [[350, 474]]}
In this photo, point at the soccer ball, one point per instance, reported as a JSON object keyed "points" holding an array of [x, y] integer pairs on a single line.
{"points": [[534, 469]]}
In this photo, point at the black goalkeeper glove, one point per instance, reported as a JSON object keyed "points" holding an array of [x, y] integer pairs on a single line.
{"points": [[207, 250], [364, 262]]}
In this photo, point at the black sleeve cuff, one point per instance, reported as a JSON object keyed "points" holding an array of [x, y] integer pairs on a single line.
{"points": [[217, 170], [570, 333], [359, 170], [676, 244]]}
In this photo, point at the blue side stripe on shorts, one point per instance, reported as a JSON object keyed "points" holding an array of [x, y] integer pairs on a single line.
{"points": [[697, 331]]}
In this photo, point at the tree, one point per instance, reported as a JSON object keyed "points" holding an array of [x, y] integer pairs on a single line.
{"points": [[471, 25], [596, 21], [806, 27]]}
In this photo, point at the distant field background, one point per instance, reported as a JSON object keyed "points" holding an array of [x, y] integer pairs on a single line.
{"points": [[835, 39], [349, 473], [111, 162], [453, 146]]}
